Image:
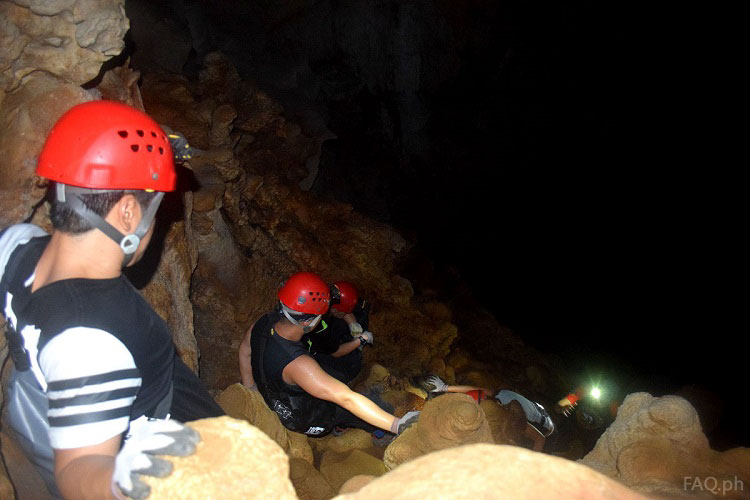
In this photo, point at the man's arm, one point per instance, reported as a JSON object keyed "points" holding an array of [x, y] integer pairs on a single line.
{"points": [[347, 347], [465, 388], [306, 373], [246, 368], [350, 318], [87, 472]]}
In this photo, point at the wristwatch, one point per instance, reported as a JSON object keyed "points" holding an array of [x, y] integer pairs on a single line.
{"points": [[362, 341]]}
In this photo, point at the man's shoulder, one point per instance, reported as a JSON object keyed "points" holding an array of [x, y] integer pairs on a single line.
{"points": [[14, 236], [266, 322]]}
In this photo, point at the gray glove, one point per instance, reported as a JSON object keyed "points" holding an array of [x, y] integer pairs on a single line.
{"points": [[405, 422], [368, 336], [435, 384], [147, 438], [355, 329]]}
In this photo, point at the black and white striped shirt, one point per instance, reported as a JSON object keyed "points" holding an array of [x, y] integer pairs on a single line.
{"points": [[102, 355]]}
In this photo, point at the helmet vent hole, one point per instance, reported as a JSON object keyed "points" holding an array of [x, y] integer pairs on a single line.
{"points": [[149, 148], [140, 133], [123, 134], [153, 134], [161, 150], [134, 147]]}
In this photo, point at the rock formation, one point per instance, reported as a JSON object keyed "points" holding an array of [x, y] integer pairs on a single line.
{"points": [[232, 460], [253, 226], [70, 39], [491, 471], [241, 403], [657, 446], [308, 482], [447, 421], [507, 422], [337, 468], [351, 439]]}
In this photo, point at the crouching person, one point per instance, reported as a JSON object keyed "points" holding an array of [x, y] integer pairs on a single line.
{"points": [[306, 398]]}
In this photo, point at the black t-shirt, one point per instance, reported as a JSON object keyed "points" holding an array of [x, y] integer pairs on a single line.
{"points": [[270, 354], [332, 331]]}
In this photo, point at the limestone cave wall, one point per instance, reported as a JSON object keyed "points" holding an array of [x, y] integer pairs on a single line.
{"points": [[239, 225]]}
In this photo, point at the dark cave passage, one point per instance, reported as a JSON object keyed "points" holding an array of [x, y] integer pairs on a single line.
{"points": [[528, 151]]}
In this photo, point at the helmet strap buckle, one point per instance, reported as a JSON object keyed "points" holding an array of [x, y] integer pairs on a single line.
{"points": [[60, 192], [129, 243]]}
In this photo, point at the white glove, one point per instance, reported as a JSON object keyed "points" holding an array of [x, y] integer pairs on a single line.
{"points": [[355, 329], [405, 422], [368, 336], [435, 384], [147, 438]]}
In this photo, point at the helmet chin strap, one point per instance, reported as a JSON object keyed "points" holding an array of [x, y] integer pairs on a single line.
{"points": [[305, 329], [70, 195]]}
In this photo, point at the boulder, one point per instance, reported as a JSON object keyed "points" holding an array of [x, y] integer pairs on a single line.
{"points": [[657, 446], [507, 422], [338, 468], [232, 460], [309, 483], [445, 422], [491, 471], [242, 403]]}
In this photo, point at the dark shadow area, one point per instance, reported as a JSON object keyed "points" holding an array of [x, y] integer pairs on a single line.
{"points": [[171, 210]]}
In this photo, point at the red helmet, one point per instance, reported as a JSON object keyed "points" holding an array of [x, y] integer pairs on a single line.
{"points": [[347, 296], [108, 145], [305, 293]]}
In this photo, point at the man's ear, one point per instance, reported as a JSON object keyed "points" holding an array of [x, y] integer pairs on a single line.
{"points": [[127, 213]]}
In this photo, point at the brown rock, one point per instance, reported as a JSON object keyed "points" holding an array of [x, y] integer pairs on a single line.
{"points": [[445, 422], [337, 468], [403, 401], [26, 117], [436, 366], [240, 402], [221, 126], [377, 377], [24, 475], [68, 39], [309, 483], [480, 378], [6, 488], [355, 484], [169, 100], [168, 291], [507, 422], [654, 444], [492, 471], [233, 460], [458, 360], [351, 439], [121, 84]]}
